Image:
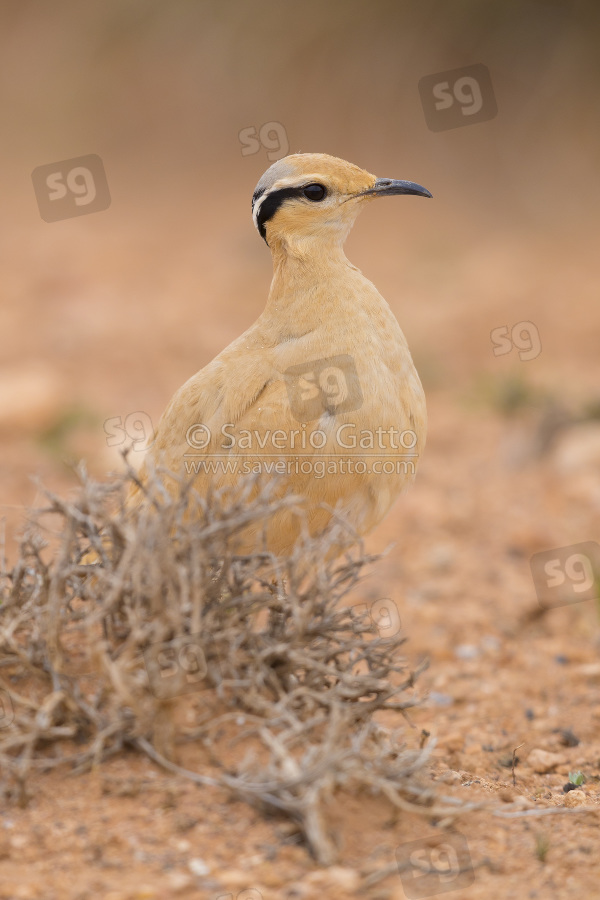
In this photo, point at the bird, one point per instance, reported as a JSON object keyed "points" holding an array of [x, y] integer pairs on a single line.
{"points": [[321, 393]]}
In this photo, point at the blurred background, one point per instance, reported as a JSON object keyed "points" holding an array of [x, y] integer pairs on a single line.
{"points": [[108, 307], [104, 313]]}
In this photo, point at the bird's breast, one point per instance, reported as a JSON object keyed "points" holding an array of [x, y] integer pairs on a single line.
{"points": [[360, 408]]}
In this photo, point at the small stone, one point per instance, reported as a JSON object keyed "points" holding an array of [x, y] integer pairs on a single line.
{"points": [[344, 878], [542, 761], [568, 738], [449, 777], [198, 867], [578, 447], [506, 795], [233, 878], [298, 890], [18, 841], [589, 670], [179, 881], [27, 892], [522, 802], [575, 798], [435, 698], [31, 397], [467, 651], [339, 876], [441, 557], [184, 822]]}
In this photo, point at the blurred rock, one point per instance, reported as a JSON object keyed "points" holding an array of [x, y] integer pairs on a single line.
{"points": [[179, 881], [578, 447], [467, 651], [435, 698], [198, 867], [449, 777], [542, 761], [19, 841], [28, 891], [233, 878], [31, 398], [575, 798], [589, 670], [335, 876], [441, 557]]}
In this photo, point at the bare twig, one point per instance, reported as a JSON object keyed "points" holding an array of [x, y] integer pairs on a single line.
{"points": [[105, 641]]}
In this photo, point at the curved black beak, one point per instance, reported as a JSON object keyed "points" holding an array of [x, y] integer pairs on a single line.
{"points": [[386, 187]]}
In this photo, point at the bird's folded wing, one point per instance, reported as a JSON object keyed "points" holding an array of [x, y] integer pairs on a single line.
{"points": [[231, 419]]}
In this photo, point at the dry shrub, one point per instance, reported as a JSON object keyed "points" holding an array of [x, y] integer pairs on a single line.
{"points": [[98, 657]]}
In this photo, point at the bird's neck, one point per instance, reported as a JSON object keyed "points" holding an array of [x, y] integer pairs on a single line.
{"points": [[308, 273]]}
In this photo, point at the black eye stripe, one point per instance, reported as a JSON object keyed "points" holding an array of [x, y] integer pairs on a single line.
{"points": [[272, 202]]}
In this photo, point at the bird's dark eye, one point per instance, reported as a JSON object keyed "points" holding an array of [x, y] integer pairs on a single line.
{"points": [[314, 192]]}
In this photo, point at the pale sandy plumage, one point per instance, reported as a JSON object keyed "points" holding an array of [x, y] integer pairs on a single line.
{"points": [[319, 307]]}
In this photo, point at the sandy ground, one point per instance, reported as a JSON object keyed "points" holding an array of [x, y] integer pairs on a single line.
{"points": [[109, 318]]}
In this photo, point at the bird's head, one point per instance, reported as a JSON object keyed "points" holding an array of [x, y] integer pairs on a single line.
{"points": [[310, 196]]}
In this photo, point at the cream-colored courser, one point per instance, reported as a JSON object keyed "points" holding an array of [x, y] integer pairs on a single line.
{"points": [[322, 388]]}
